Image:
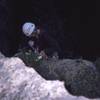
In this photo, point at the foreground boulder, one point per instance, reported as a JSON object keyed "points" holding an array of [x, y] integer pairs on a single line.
{"points": [[80, 76], [18, 82]]}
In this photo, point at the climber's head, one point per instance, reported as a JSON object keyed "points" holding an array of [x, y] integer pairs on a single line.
{"points": [[29, 29]]}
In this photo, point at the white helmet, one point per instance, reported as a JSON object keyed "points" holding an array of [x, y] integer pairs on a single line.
{"points": [[28, 28]]}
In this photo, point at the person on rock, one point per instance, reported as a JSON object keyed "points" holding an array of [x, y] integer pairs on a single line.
{"points": [[39, 41]]}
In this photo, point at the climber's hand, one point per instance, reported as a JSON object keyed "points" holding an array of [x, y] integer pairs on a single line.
{"points": [[43, 54], [31, 43]]}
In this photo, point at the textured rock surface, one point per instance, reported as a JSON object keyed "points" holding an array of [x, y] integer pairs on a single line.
{"points": [[81, 76], [18, 82]]}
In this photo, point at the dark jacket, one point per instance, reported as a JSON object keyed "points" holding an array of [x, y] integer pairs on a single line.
{"points": [[43, 42]]}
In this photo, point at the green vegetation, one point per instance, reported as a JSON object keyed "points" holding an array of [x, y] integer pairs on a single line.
{"points": [[29, 57]]}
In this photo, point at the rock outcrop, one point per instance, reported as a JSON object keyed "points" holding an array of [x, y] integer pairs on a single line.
{"points": [[18, 82], [81, 77]]}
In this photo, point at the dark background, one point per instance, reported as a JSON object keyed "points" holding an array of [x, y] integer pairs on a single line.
{"points": [[74, 24]]}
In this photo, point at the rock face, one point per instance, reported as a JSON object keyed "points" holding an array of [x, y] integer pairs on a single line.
{"points": [[18, 82], [80, 76]]}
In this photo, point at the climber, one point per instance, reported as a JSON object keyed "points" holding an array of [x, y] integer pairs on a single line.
{"points": [[40, 41]]}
